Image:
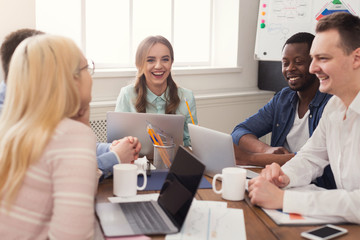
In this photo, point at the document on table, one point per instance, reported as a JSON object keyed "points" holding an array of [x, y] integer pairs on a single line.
{"points": [[211, 220], [282, 218]]}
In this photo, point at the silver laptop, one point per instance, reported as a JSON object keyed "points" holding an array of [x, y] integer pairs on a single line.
{"points": [[214, 149], [122, 124], [164, 216]]}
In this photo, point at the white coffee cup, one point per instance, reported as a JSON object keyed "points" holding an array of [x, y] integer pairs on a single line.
{"points": [[233, 183], [125, 180]]}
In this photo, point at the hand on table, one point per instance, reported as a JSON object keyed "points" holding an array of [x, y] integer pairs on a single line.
{"points": [[275, 175], [265, 190], [265, 194]]}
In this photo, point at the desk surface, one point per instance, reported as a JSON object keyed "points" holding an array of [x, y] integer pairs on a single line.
{"points": [[258, 225]]}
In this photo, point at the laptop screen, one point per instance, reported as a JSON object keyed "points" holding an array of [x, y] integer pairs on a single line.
{"points": [[184, 178]]}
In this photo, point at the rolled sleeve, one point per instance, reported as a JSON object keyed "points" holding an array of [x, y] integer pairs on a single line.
{"points": [[343, 206]]}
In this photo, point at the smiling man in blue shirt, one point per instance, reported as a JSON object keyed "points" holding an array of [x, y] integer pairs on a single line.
{"points": [[291, 116]]}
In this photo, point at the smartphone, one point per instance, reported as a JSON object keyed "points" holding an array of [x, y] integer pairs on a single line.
{"points": [[325, 232]]}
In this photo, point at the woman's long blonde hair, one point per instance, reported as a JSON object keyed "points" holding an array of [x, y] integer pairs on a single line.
{"points": [[41, 91], [173, 99]]}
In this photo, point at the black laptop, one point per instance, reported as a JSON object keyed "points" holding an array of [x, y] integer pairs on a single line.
{"points": [[164, 216]]}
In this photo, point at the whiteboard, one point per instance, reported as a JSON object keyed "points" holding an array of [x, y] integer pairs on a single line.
{"points": [[280, 19]]}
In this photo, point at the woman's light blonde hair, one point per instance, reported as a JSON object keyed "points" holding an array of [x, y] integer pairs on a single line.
{"points": [[144, 47], [41, 91]]}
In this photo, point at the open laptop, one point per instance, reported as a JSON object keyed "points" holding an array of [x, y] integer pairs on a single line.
{"points": [[214, 149], [164, 216], [122, 124]]}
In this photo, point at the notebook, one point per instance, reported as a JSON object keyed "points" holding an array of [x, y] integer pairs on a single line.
{"points": [[164, 216], [214, 149], [122, 124]]}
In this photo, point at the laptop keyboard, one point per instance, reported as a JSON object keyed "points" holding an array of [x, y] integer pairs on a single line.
{"points": [[143, 218]]}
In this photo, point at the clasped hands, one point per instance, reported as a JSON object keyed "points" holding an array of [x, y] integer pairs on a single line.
{"points": [[265, 190], [127, 149]]}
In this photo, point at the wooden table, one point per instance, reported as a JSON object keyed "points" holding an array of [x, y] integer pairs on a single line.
{"points": [[257, 224]]}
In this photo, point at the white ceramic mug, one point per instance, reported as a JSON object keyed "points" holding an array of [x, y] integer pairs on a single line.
{"points": [[233, 183], [125, 180]]}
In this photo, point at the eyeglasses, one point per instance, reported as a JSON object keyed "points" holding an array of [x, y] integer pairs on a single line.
{"points": [[90, 67]]}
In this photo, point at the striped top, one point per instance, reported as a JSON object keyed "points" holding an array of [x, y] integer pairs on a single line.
{"points": [[56, 200]]}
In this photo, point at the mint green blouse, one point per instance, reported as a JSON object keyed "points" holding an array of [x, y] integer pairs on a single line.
{"points": [[156, 104]]}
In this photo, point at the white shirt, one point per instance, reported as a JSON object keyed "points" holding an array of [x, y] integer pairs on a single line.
{"points": [[299, 132], [337, 141]]}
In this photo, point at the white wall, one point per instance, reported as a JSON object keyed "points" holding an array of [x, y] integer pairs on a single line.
{"points": [[224, 96], [15, 14]]}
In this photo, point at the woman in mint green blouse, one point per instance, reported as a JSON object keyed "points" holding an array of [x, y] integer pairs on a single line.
{"points": [[154, 90]]}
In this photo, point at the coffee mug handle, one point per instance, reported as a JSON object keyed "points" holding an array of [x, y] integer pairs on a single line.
{"points": [[214, 183], [145, 180]]}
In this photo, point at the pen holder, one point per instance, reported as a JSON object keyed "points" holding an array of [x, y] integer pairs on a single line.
{"points": [[163, 156]]}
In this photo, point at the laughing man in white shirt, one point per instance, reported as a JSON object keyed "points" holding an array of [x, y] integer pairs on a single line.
{"points": [[336, 62]]}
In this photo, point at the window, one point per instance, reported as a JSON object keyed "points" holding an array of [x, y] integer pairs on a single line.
{"points": [[109, 31]]}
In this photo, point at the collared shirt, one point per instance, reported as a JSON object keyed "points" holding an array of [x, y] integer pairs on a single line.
{"points": [[277, 117], [157, 104], [336, 141]]}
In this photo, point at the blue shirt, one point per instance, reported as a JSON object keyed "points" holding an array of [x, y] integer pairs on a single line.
{"points": [[2, 94], [105, 159], [277, 117], [157, 104]]}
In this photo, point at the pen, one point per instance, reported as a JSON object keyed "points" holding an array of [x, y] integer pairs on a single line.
{"points": [[152, 137], [166, 155], [163, 154], [187, 104]]}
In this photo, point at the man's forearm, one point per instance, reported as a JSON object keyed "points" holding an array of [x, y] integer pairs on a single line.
{"points": [[244, 157], [251, 143]]}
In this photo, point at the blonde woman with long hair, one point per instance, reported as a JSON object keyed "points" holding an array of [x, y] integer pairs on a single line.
{"points": [[154, 90], [47, 159]]}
